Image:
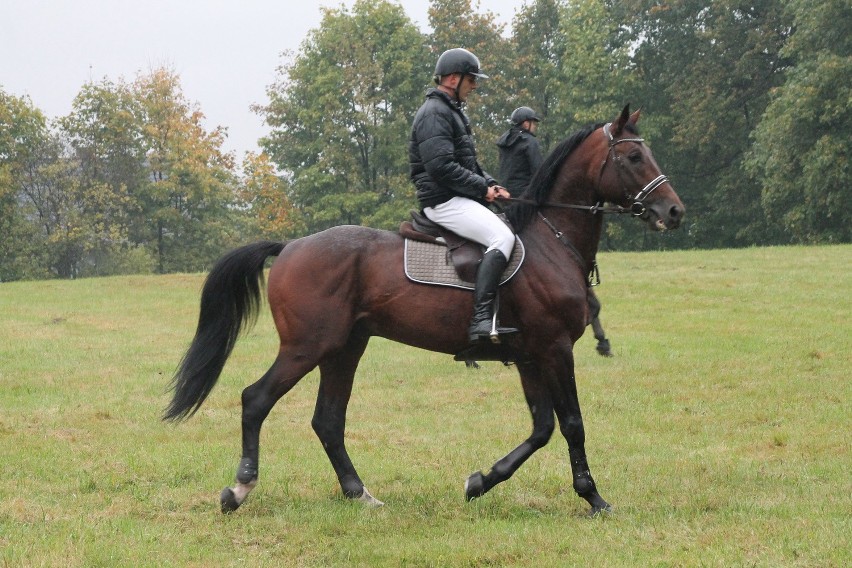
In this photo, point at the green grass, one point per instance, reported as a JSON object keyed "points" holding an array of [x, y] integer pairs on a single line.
{"points": [[720, 431]]}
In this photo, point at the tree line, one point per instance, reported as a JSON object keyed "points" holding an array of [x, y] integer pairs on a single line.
{"points": [[745, 104]]}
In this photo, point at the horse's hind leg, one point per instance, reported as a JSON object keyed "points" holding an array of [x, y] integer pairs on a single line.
{"points": [[337, 373], [257, 401], [541, 408]]}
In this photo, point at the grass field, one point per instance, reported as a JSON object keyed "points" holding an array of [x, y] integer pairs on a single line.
{"points": [[720, 432]]}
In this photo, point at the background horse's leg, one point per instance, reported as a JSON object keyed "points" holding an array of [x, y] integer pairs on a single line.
{"points": [[337, 373], [603, 346], [541, 408], [567, 406], [258, 399]]}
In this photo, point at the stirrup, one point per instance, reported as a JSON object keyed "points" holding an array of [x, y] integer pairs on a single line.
{"points": [[494, 334]]}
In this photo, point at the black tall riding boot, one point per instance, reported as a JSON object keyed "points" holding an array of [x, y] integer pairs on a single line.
{"points": [[483, 324]]}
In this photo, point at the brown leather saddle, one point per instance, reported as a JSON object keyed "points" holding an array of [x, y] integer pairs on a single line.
{"points": [[464, 254]]}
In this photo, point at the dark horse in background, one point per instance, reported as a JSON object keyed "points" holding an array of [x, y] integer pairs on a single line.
{"points": [[331, 291]]}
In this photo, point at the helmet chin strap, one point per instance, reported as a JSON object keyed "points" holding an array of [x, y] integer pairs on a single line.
{"points": [[456, 90], [458, 87]]}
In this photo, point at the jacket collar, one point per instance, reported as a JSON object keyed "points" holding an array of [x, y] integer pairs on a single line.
{"points": [[438, 93]]}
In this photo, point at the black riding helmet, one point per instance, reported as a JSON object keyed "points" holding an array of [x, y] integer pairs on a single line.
{"points": [[522, 114], [458, 60]]}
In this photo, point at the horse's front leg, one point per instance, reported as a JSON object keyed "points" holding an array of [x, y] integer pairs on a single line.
{"points": [[584, 484], [541, 408], [567, 406]]}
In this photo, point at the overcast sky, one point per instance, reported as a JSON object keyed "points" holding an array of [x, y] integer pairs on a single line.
{"points": [[225, 51]]}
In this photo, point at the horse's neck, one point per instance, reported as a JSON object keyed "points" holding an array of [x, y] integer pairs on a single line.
{"points": [[581, 228]]}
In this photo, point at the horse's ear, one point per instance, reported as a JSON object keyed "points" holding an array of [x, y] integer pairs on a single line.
{"points": [[634, 118], [621, 121]]}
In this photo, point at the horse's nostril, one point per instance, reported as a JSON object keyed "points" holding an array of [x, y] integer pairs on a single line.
{"points": [[676, 212]]}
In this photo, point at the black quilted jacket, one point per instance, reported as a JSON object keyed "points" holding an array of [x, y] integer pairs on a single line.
{"points": [[442, 155]]}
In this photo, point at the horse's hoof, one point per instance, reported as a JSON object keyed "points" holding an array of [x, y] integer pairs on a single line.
{"points": [[605, 509], [474, 486], [228, 501], [369, 500]]}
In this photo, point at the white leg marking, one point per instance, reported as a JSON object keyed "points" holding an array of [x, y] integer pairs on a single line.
{"points": [[241, 491], [369, 500]]}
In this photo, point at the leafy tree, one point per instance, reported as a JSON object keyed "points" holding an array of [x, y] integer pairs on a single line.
{"points": [[803, 142], [106, 134], [53, 192], [708, 69], [155, 187], [50, 197], [23, 131], [597, 76], [187, 205], [534, 75], [263, 198], [340, 114], [130, 177]]}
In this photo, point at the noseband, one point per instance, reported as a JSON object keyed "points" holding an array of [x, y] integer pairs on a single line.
{"points": [[637, 209]]}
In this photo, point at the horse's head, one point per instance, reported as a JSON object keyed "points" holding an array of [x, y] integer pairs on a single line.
{"points": [[629, 176]]}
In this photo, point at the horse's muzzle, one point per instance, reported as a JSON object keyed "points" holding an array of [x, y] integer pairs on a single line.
{"points": [[665, 215]]}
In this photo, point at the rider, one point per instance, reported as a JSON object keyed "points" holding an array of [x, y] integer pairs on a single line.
{"points": [[452, 187], [520, 153]]}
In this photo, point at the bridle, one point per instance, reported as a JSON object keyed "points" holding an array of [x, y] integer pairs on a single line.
{"points": [[637, 209]]}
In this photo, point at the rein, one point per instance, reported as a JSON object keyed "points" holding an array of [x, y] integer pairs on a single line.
{"points": [[593, 209]]}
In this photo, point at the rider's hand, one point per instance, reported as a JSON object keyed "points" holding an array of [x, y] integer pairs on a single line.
{"points": [[496, 192]]}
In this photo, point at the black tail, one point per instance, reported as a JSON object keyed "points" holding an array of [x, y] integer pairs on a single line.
{"points": [[229, 302]]}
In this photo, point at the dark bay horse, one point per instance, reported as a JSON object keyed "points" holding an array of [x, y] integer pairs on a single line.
{"points": [[331, 291]]}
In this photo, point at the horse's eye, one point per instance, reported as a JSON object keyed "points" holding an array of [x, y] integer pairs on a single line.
{"points": [[635, 157]]}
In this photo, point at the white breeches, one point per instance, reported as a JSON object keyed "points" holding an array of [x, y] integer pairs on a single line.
{"points": [[475, 222]]}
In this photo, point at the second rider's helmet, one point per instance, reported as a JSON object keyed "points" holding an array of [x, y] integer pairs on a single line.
{"points": [[522, 114]]}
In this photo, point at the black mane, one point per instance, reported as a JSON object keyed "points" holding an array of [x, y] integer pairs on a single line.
{"points": [[520, 214]]}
